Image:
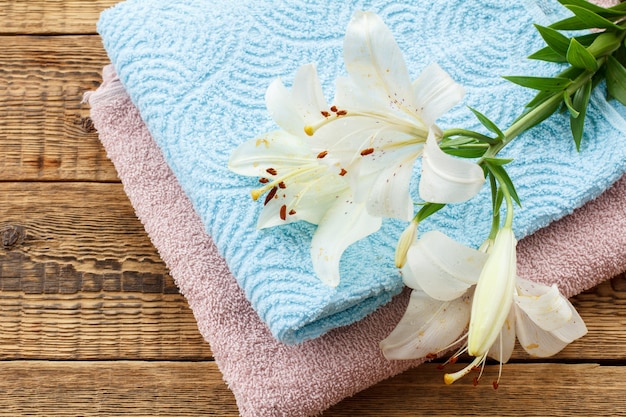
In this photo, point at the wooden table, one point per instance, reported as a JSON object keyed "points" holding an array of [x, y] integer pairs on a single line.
{"points": [[92, 324]]}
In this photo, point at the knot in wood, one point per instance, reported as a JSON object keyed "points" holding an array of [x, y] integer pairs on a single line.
{"points": [[87, 124], [11, 235]]}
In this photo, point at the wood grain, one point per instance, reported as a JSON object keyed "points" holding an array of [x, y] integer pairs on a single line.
{"points": [[51, 16], [540, 390], [80, 279], [139, 388], [69, 388], [45, 131]]}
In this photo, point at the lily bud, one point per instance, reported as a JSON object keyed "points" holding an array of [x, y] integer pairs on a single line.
{"points": [[404, 243], [494, 294]]}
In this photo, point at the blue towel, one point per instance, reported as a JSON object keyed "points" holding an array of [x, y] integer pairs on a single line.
{"points": [[198, 71]]}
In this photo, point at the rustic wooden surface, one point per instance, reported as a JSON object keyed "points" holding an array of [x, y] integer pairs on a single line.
{"points": [[92, 324]]}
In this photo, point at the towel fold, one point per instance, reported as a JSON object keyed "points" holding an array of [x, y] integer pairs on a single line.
{"points": [[198, 69], [269, 378]]}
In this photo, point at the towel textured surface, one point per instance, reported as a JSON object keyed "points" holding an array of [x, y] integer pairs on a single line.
{"points": [[198, 70], [267, 377]]}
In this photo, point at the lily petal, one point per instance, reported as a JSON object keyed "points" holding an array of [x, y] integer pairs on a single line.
{"points": [[427, 327], [308, 94], [502, 348], [344, 223], [574, 329], [375, 62], [541, 343], [436, 93], [278, 148], [544, 305], [389, 196], [440, 266], [446, 179], [282, 108], [296, 185], [293, 109]]}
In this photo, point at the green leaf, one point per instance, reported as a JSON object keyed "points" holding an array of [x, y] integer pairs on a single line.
{"points": [[554, 39], [592, 7], [428, 209], [448, 142], [587, 39], [469, 153], [616, 80], [504, 180], [618, 8], [464, 146], [592, 19], [496, 199], [541, 83], [580, 57], [571, 23], [491, 126], [547, 54], [498, 161], [570, 106], [580, 103], [604, 44]]}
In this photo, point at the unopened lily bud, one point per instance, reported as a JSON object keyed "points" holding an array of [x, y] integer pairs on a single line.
{"points": [[404, 243], [494, 294]]}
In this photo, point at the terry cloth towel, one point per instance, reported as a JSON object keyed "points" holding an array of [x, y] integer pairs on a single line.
{"points": [[269, 378], [197, 70]]}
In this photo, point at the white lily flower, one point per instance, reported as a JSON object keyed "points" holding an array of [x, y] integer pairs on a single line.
{"points": [[381, 120], [296, 185], [543, 320]]}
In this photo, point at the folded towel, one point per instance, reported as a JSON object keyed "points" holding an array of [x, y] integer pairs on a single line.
{"points": [[269, 378], [198, 69]]}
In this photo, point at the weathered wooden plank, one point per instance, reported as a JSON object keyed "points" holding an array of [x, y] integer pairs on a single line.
{"points": [[79, 278], [51, 16], [105, 325], [70, 388], [525, 390], [75, 228], [45, 131]]}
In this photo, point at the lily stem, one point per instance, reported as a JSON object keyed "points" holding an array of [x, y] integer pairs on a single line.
{"points": [[541, 111]]}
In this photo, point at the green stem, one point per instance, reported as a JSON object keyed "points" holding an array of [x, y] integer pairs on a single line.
{"points": [[469, 133], [495, 218], [541, 111]]}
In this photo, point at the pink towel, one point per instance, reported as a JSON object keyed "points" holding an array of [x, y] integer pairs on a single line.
{"points": [[272, 379]]}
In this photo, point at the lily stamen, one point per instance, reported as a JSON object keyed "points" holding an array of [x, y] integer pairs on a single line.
{"points": [[328, 117], [280, 181], [411, 126], [455, 376]]}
